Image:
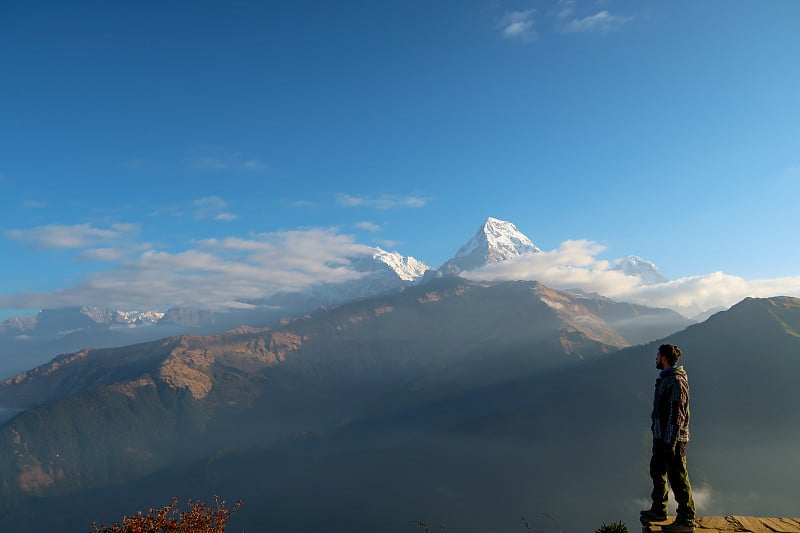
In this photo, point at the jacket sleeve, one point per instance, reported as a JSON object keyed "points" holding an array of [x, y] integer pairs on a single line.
{"points": [[678, 411]]}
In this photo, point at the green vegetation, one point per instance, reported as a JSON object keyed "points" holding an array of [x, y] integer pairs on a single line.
{"points": [[614, 527], [95, 438]]}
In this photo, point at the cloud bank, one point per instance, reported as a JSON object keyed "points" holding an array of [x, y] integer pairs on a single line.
{"points": [[575, 265], [222, 273], [74, 236], [214, 274]]}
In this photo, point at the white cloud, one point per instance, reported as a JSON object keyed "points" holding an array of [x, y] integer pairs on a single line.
{"points": [[215, 274], [211, 164], [75, 236], [703, 497], [518, 29], [125, 227], [306, 204], [171, 211], [221, 273], [601, 22], [212, 203], [212, 207], [253, 164], [368, 226], [34, 204], [565, 8], [215, 159], [103, 254], [518, 25], [575, 266], [382, 202], [205, 208]]}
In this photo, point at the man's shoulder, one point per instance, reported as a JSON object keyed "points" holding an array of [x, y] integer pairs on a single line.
{"points": [[676, 375], [681, 379], [678, 372]]}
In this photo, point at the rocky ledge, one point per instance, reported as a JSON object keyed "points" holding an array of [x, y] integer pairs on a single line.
{"points": [[724, 524]]}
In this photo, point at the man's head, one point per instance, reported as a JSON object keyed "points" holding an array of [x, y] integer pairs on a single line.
{"points": [[667, 356]]}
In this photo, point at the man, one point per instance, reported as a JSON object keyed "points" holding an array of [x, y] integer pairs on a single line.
{"points": [[670, 434]]}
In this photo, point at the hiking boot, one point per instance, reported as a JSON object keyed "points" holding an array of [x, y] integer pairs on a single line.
{"points": [[679, 526], [649, 516]]}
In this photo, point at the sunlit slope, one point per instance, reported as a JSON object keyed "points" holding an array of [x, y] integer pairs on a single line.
{"points": [[139, 408], [567, 437]]}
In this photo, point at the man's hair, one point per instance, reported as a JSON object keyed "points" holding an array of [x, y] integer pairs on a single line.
{"points": [[670, 352]]}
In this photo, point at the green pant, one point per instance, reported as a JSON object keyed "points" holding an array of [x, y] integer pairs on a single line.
{"points": [[668, 463]]}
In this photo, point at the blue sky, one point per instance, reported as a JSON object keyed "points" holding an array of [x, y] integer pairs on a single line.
{"points": [[152, 151]]}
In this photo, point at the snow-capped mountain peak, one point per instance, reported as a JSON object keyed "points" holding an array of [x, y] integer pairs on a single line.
{"points": [[137, 318], [646, 270], [120, 317], [496, 240], [406, 268], [54, 322], [383, 272]]}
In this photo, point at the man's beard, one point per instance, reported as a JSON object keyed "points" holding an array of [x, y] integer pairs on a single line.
{"points": [[660, 365]]}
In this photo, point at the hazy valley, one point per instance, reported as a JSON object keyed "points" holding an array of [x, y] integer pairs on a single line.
{"points": [[441, 399], [405, 407]]}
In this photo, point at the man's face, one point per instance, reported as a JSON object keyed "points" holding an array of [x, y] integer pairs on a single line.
{"points": [[659, 361]]}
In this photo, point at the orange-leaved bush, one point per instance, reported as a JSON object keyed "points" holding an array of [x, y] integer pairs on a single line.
{"points": [[200, 518]]}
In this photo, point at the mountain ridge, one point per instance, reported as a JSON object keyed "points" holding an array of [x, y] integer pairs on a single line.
{"points": [[382, 271], [447, 335], [517, 445]]}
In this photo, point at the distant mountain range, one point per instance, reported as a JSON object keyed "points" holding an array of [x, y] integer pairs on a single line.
{"points": [[384, 272], [62, 321], [480, 317], [411, 405], [445, 336]]}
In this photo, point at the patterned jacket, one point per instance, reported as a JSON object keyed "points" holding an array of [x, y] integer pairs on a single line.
{"points": [[671, 407]]}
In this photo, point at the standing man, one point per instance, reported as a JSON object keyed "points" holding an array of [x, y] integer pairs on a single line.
{"points": [[670, 435]]}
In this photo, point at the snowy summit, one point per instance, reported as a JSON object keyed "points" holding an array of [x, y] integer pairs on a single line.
{"points": [[495, 241], [405, 268], [643, 269], [383, 272]]}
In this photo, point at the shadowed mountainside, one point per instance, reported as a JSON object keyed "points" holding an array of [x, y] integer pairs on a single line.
{"points": [[575, 437], [107, 417]]}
